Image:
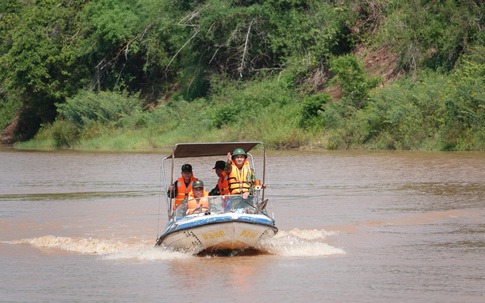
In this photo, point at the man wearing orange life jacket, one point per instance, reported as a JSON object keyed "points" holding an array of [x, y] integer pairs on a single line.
{"points": [[198, 201], [180, 189], [240, 175], [222, 187]]}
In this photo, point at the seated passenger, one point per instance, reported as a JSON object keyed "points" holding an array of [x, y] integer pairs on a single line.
{"points": [[222, 187], [198, 201]]}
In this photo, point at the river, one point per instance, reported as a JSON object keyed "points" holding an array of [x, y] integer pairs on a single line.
{"points": [[353, 227]]}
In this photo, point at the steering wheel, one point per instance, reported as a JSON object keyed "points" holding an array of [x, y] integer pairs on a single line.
{"points": [[200, 209]]}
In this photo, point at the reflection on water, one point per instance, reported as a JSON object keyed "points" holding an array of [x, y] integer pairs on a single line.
{"points": [[353, 227]]}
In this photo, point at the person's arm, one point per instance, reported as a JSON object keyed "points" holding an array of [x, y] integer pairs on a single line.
{"points": [[252, 178], [172, 190], [228, 167], [214, 191]]}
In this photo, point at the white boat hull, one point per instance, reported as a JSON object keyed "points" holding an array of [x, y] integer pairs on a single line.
{"points": [[211, 233]]}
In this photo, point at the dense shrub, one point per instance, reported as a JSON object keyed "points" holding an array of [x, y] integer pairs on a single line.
{"points": [[432, 34], [312, 111], [61, 133], [240, 103], [353, 80], [105, 107]]}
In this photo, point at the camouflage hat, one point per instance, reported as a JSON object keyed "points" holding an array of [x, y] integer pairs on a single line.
{"points": [[198, 184]]}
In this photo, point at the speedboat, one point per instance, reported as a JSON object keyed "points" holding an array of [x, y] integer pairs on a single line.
{"points": [[230, 223]]}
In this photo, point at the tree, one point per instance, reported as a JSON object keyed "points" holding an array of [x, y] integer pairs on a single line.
{"points": [[39, 64]]}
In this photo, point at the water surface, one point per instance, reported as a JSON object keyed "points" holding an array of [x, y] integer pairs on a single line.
{"points": [[354, 227]]}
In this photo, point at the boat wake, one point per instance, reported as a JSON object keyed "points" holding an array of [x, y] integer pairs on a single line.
{"points": [[109, 249], [294, 243], [300, 243]]}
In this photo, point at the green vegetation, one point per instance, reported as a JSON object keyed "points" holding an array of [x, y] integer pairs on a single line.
{"points": [[144, 74]]}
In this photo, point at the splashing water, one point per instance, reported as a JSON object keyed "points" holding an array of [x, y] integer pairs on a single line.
{"points": [[294, 243], [300, 243], [133, 248]]}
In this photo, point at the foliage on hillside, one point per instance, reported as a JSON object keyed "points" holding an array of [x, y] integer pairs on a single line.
{"points": [[148, 73]]}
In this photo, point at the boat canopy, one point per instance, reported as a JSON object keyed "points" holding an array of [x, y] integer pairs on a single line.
{"points": [[189, 150]]}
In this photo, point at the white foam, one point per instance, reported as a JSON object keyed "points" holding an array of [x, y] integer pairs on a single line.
{"points": [[308, 234], [300, 243], [293, 243], [107, 249]]}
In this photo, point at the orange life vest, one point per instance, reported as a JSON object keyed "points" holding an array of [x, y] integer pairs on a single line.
{"points": [[240, 180], [223, 185], [200, 204], [182, 190]]}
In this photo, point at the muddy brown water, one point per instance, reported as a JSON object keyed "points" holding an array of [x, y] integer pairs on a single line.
{"points": [[353, 227]]}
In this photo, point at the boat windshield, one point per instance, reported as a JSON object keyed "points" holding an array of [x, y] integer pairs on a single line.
{"points": [[217, 205]]}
